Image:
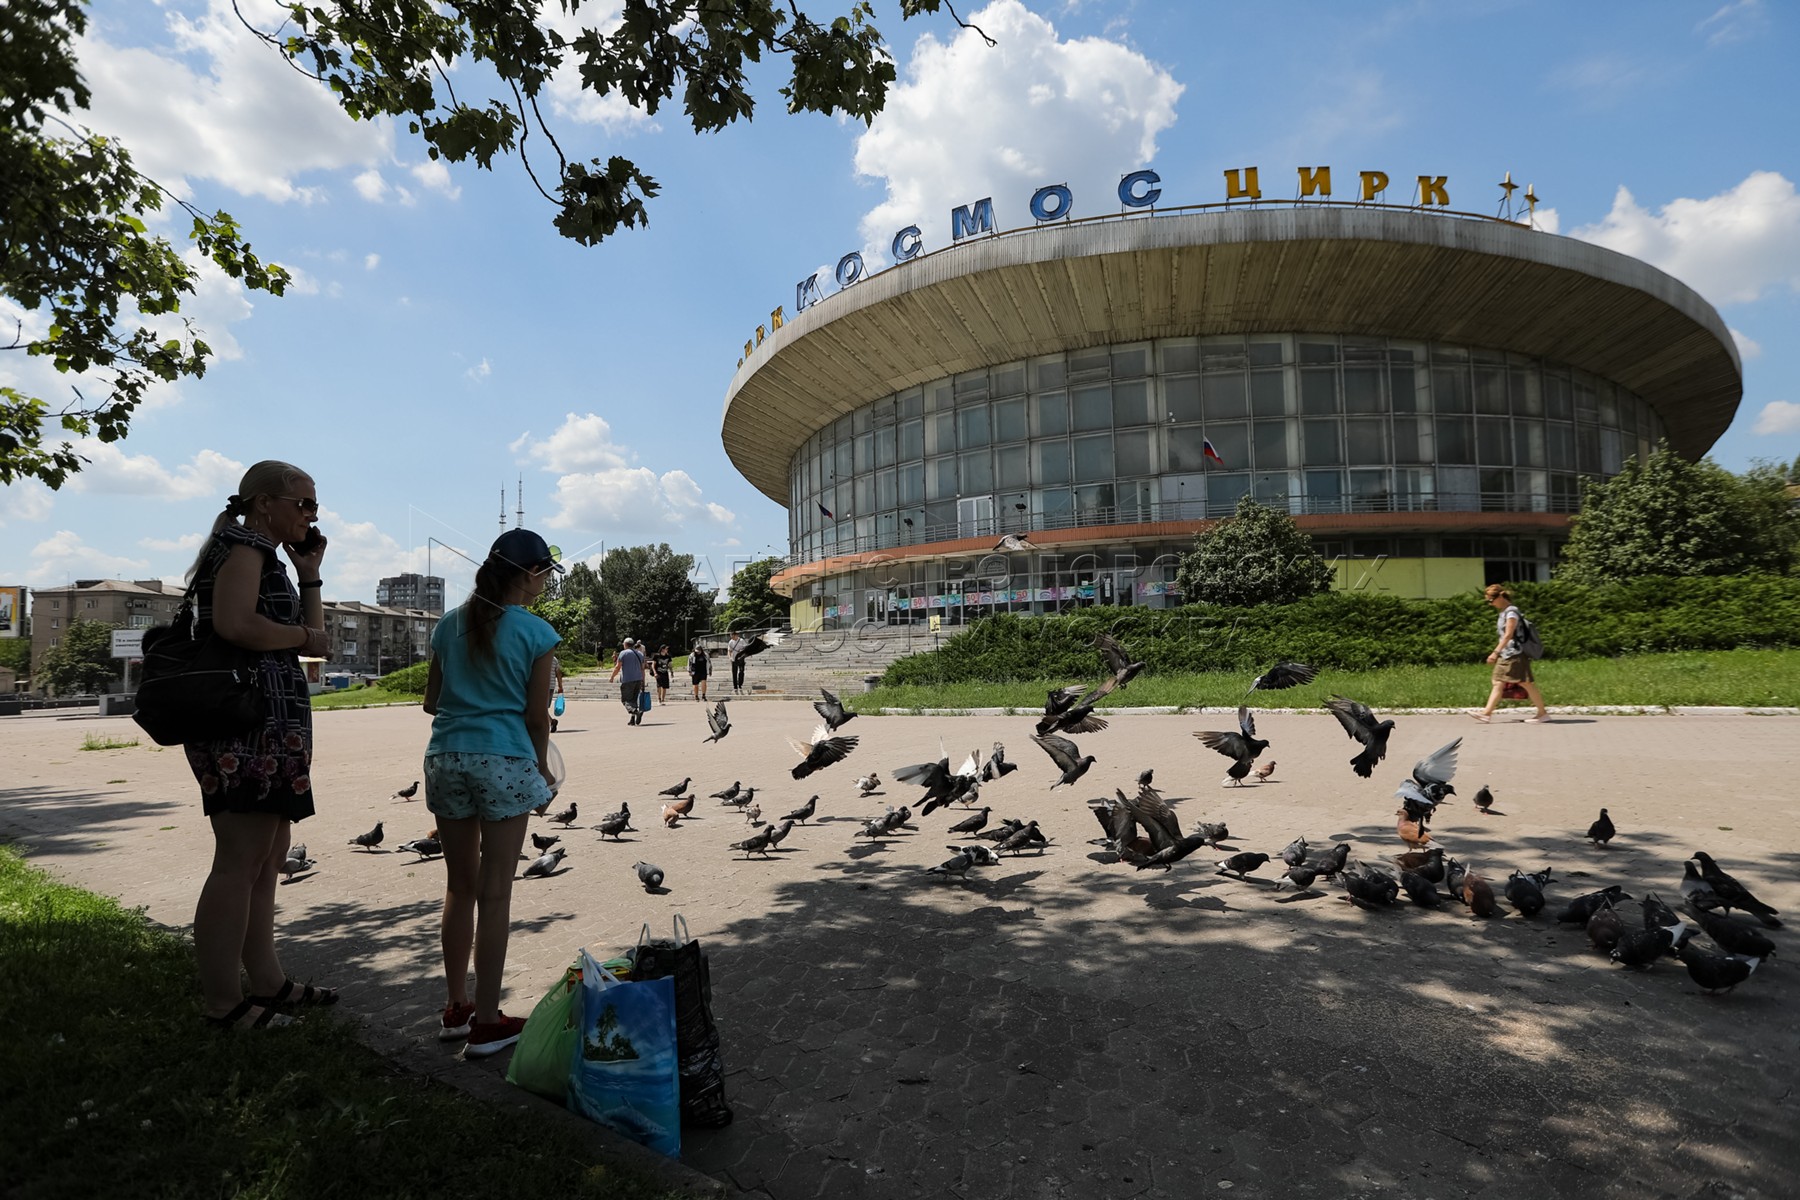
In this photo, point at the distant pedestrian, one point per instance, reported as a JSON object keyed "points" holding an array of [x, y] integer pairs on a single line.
{"points": [[734, 649], [1511, 663], [630, 664], [557, 671], [663, 661], [699, 666]]}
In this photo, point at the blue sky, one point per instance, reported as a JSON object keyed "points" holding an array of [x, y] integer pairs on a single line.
{"points": [[444, 340]]}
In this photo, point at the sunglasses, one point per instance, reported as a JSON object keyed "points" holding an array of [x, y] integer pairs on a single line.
{"points": [[306, 504]]}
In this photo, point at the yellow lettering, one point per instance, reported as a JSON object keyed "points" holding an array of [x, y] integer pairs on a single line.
{"points": [[775, 320], [1373, 184], [1432, 189], [760, 334], [1242, 185], [1315, 181]]}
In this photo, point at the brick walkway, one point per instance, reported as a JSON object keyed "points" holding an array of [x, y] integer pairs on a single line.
{"points": [[1063, 1027]]}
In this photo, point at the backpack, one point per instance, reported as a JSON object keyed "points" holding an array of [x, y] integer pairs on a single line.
{"points": [[1530, 644]]}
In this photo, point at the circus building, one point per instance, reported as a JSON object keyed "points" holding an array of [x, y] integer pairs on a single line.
{"points": [[1041, 418]]}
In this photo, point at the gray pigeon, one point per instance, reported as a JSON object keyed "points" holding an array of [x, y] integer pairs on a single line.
{"points": [[972, 823], [546, 866], [425, 847], [613, 824], [293, 866], [757, 843], [957, 865], [649, 874], [981, 856], [543, 841], [1240, 864], [369, 840], [298, 850], [407, 793], [776, 833], [805, 811], [1027, 836]]}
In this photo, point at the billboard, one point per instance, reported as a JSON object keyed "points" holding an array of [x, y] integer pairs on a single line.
{"points": [[12, 612]]}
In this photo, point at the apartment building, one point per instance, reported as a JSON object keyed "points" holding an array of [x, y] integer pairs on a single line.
{"points": [[119, 603], [373, 639], [411, 590]]}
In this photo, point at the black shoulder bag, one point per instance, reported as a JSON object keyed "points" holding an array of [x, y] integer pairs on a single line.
{"points": [[196, 689]]}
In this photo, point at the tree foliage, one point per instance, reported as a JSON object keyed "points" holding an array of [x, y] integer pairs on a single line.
{"points": [[15, 652], [753, 603], [407, 58], [1255, 556], [77, 257], [81, 660], [1667, 516], [645, 592]]}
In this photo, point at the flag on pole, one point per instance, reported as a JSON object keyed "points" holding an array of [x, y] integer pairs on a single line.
{"points": [[1206, 449], [827, 511]]}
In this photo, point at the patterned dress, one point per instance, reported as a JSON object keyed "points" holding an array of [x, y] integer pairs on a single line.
{"points": [[269, 769]]}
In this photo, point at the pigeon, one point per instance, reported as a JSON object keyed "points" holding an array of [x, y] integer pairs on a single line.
{"points": [[805, 811], [866, 784], [297, 850], [1430, 783], [981, 856], [822, 751], [1213, 831], [755, 644], [1002, 831], [613, 824], [1145, 776], [1264, 770], [1283, 675], [1241, 747], [973, 822], [1730, 892], [935, 777], [292, 866], [1168, 856], [624, 811], [1695, 890], [1066, 755], [1241, 864], [1078, 717], [566, 817], [546, 866], [649, 874], [1420, 890], [424, 847], [1601, 831], [776, 833], [1116, 659], [1580, 909], [1526, 892], [742, 800], [1605, 928], [369, 840], [1639, 948], [1478, 894], [729, 793], [1658, 915], [674, 810], [957, 864], [1716, 972], [757, 843], [1369, 889], [1027, 836], [1453, 876], [543, 841], [833, 712], [1412, 832], [1294, 853], [997, 766], [679, 789], [1734, 937], [1147, 809], [1427, 863], [1301, 876], [1484, 799], [1358, 720], [407, 793], [753, 814], [1332, 861], [718, 721]]}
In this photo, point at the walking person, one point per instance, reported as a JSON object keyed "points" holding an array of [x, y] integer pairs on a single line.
{"points": [[662, 661], [734, 649], [486, 767], [699, 666], [1511, 663], [630, 664], [556, 701], [254, 786]]}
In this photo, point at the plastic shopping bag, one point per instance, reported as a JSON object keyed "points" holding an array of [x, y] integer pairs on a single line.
{"points": [[644, 699], [558, 706], [696, 1032], [542, 1057], [625, 1074]]}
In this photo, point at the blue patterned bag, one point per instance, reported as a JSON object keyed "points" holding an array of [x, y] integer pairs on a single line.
{"points": [[626, 1074]]}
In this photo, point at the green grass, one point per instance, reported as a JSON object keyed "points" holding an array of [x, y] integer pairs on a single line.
{"points": [[115, 1087], [1736, 677], [96, 742], [363, 697]]}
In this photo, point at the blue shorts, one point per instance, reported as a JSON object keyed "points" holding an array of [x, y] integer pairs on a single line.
{"points": [[493, 787]]}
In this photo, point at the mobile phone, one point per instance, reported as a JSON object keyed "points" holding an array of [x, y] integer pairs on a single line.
{"points": [[311, 542]]}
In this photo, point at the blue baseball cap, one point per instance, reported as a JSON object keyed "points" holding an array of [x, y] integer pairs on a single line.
{"points": [[526, 550]]}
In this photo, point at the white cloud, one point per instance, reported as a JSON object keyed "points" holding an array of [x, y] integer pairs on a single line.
{"points": [[64, 556], [1602, 78], [970, 120], [433, 174], [110, 471], [27, 500], [371, 261], [1731, 248], [1738, 21], [567, 97], [360, 555], [187, 541], [1748, 347], [1777, 416], [480, 371], [632, 501], [582, 443], [371, 186]]}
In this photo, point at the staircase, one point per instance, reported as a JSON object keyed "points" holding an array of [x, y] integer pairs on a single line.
{"points": [[793, 668]]}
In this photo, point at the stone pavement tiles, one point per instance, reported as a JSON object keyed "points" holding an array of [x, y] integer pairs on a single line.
{"points": [[1061, 1026]]}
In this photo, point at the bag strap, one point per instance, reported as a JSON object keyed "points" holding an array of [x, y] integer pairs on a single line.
{"points": [[644, 935], [679, 927]]}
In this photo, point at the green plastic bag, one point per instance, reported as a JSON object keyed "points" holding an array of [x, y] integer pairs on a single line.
{"points": [[545, 1052]]}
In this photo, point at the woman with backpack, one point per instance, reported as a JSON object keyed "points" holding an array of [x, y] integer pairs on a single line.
{"points": [[1511, 662]]}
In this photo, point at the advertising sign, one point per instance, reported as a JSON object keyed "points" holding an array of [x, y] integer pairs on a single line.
{"points": [[128, 643], [12, 612]]}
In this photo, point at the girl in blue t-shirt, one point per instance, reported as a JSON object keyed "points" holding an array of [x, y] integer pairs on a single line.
{"points": [[486, 768]]}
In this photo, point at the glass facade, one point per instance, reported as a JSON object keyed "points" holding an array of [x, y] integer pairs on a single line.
{"points": [[1117, 435]]}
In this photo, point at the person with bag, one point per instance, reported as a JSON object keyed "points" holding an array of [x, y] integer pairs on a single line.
{"points": [[699, 667], [631, 664], [734, 650], [1511, 658], [662, 660], [256, 783], [486, 767]]}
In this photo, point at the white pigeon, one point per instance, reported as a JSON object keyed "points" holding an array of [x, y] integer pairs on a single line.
{"points": [[866, 784]]}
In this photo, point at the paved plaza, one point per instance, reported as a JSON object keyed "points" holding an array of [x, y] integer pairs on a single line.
{"points": [[1062, 1026]]}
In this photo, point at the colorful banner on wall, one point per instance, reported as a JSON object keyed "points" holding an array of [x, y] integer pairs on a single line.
{"points": [[12, 612]]}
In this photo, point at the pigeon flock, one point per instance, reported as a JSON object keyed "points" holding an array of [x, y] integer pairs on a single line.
{"points": [[1141, 831]]}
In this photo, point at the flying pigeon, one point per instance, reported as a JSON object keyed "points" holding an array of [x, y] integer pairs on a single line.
{"points": [[805, 811], [1065, 755], [1601, 831], [832, 710], [1116, 659], [566, 817], [1358, 720], [996, 765], [1125, 814], [822, 751], [426, 847], [369, 840], [1168, 856], [1241, 747], [679, 789], [649, 874], [546, 866], [407, 793], [1078, 716], [1430, 783], [1283, 675], [1732, 894], [719, 721]]}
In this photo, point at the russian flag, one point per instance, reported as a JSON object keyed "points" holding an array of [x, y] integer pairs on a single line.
{"points": [[1206, 449], [829, 516]]}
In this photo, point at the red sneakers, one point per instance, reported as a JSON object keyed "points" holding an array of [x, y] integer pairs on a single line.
{"points": [[491, 1039], [456, 1022]]}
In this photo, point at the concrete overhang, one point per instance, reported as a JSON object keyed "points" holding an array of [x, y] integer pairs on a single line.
{"points": [[1342, 270]]}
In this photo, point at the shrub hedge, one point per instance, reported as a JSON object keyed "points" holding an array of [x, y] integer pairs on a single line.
{"points": [[1355, 631], [410, 680]]}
